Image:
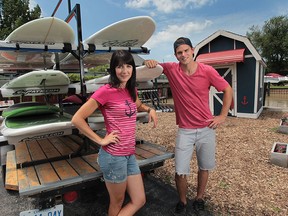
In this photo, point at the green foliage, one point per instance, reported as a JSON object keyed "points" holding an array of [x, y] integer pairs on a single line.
{"points": [[279, 86], [271, 41], [101, 68], [14, 13], [75, 77]]}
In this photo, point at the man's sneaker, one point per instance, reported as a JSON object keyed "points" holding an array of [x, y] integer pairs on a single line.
{"points": [[180, 209], [199, 207]]}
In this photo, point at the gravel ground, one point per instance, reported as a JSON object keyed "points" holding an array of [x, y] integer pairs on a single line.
{"points": [[11, 204], [244, 182]]}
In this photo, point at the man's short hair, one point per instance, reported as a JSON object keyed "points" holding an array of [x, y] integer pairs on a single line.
{"points": [[181, 41]]}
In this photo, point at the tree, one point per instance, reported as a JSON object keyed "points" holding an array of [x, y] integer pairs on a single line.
{"points": [[14, 13], [272, 43]]}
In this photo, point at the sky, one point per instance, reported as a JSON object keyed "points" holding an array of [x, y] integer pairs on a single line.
{"points": [[195, 19]]}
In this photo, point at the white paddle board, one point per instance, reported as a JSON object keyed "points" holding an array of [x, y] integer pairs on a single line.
{"points": [[144, 76], [29, 59], [131, 32], [35, 127], [37, 83], [20, 56], [48, 30], [96, 120]]}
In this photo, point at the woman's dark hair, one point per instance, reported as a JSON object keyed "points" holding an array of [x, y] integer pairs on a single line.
{"points": [[119, 58]]}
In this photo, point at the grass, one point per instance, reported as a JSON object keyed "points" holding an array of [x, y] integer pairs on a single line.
{"points": [[279, 86]]}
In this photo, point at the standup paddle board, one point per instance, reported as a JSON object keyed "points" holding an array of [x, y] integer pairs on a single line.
{"points": [[48, 30], [25, 60], [131, 32], [96, 120], [24, 128], [37, 83], [33, 120], [126, 34], [144, 76], [29, 109]]}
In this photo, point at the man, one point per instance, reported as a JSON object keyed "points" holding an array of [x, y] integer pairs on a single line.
{"points": [[190, 82]]}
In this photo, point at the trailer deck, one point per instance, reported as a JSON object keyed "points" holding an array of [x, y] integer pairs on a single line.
{"points": [[53, 165]]}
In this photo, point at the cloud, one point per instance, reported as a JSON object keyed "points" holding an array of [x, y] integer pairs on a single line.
{"points": [[137, 3], [32, 4], [173, 31], [167, 6]]}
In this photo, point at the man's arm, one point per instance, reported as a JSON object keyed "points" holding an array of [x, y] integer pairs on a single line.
{"points": [[150, 63], [227, 101]]}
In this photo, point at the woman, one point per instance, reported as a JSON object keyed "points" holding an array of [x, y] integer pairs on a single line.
{"points": [[118, 101]]}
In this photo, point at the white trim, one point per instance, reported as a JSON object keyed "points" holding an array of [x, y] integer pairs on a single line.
{"points": [[261, 76], [234, 88], [261, 99], [250, 115], [256, 87], [231, 68], [212, 92], [248, 56]]}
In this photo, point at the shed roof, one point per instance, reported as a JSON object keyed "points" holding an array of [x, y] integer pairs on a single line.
{"points": [[234, 36], [222, 57]]}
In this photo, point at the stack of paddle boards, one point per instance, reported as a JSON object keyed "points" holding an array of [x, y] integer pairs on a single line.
{"points": [[33, 120], [26, 121]]}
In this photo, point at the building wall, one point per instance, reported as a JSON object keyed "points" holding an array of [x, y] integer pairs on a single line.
{"points": [[246, 86]]}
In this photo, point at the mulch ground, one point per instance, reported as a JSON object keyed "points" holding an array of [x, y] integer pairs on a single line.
{"points": [[245, 182]]}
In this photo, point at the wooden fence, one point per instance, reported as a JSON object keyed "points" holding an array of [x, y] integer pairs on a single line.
{"points": [[278, 91]]}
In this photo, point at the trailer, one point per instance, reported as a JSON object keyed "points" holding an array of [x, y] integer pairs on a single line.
{"points": [[50, 169]]}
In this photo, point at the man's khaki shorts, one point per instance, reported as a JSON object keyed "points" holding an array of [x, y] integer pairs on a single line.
{"points": [[203, 140]]}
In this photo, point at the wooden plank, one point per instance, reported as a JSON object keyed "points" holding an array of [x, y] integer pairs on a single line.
{"points": [[35, 150], [77, 138], [81, 167], [143, 153], [11, 181], [60, 146], [49, 150], [27, 178], [64, 170], [150, 148], [80, 140], [92, 160], [70, 143], [22, 153], [138, 157], [3, 152], [46, 173]]}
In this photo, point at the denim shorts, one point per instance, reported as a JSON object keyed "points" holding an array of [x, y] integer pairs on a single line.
{"points": [[116, 168], [203, 140]]}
